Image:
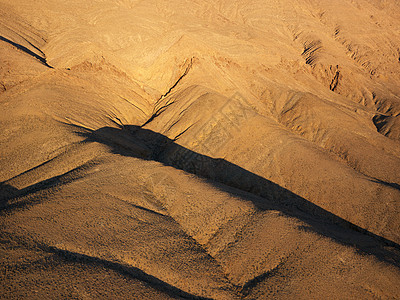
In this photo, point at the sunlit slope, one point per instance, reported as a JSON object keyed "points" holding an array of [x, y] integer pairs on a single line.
{"points": [[211, 149]]}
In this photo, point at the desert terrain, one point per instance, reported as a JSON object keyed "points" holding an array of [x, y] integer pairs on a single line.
{"points": [[206, 149]]}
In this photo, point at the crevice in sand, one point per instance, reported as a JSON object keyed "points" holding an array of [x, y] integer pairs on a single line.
{"points": [[180, 134], [177, 82], [3, 88], [159, 110], [311, 50], [42, 60], [380, 121], [335, 81]]}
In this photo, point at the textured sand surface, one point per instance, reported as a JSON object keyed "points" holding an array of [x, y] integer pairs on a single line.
{"points": [[200, 149]]}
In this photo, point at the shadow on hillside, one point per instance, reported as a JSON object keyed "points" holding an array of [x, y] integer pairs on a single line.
{"points": [[7, 192], [137, 142], [12, 198], [27, 51], [125, 270]]}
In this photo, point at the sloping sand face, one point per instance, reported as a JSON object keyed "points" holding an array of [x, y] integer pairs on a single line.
{"points": [[200, 149]]}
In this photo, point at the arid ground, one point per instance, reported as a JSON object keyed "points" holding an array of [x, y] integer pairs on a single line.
{"points": [[204, 149]]}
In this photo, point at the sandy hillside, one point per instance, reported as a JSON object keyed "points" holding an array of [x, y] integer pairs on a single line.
{"points": [[200, 149]]}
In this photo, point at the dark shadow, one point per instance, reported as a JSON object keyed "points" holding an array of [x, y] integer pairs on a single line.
{"points": [[12, 198], [7, 192], [124, 270], [137, 142], [380, 121], [389, 184], [26, 50]]}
